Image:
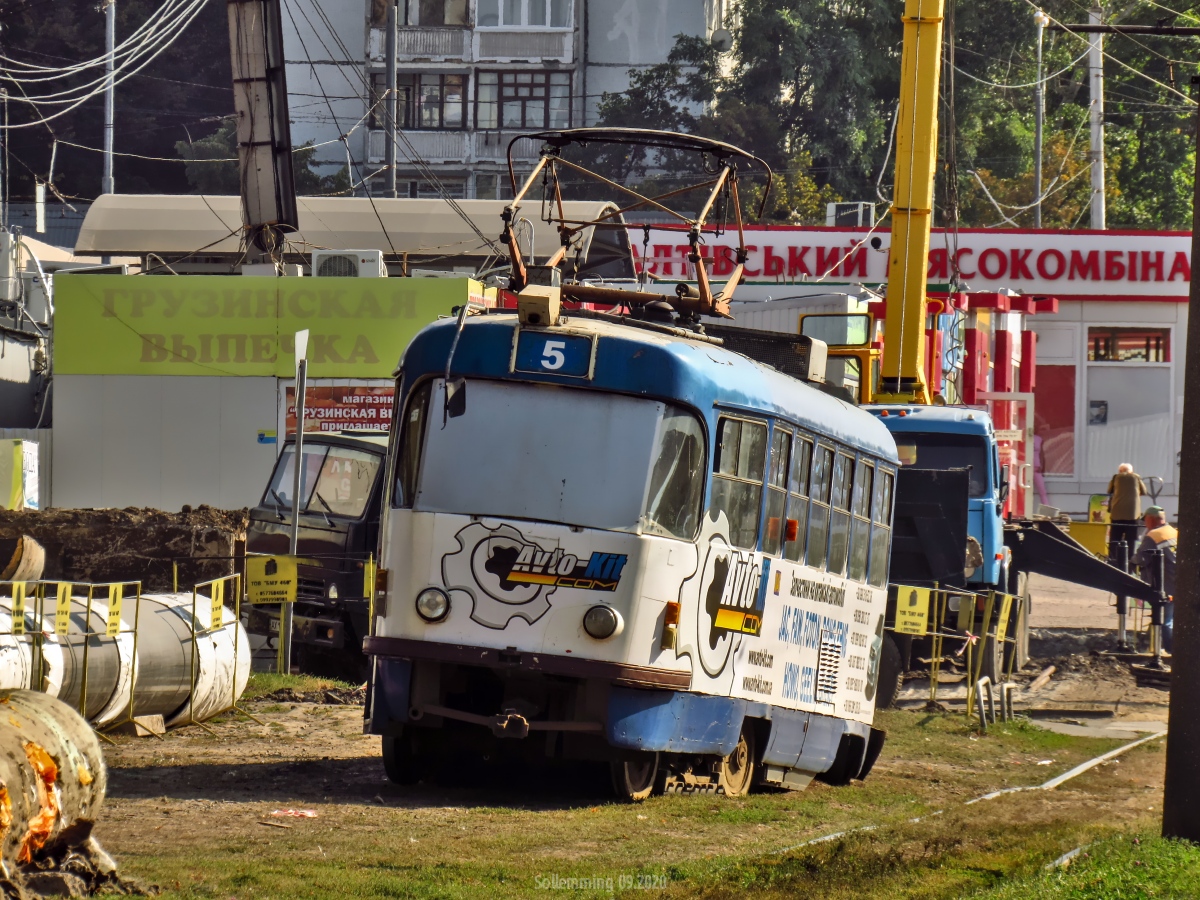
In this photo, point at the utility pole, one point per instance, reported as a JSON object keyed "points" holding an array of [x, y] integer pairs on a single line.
{"points": [[286, 617], [110, 41], [1096, 87], [1181, 793], [1041, 20], [389, 103], [4, 163], [264, 134]]}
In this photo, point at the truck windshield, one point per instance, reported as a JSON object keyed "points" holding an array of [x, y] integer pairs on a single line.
{"points": [[932, 450], [337, 480], [553, 454]]}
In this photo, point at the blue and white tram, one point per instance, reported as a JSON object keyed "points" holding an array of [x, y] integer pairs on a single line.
{"points": [[631, 545]]}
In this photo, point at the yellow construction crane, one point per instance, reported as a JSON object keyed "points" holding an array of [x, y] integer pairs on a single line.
{"points": [[902, 377]]}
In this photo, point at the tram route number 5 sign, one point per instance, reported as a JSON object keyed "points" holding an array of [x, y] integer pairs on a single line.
{"points": [[271, 579], [912, 610]]}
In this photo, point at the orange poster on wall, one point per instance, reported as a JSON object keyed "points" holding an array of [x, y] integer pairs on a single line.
{"points": [[330, 408]]}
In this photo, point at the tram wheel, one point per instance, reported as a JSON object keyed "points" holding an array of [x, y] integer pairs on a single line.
{"points": [[633, 780], [736, 771], [890, 672], [400, 763]]}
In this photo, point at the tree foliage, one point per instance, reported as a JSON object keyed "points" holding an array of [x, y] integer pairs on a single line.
{"points": [[221, 175], [811, 87], [177, 95]]}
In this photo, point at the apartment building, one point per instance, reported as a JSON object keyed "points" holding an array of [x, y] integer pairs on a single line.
{"points": [[471, 75]]}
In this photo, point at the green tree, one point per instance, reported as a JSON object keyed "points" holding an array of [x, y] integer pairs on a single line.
{"points": [[187, 86], [221, 175]]}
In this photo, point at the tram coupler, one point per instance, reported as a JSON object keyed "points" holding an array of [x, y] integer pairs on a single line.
{"points": [[510, 724]]}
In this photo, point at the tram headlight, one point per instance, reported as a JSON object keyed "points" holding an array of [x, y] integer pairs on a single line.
{"points": [[602, 622], [432, 605]]}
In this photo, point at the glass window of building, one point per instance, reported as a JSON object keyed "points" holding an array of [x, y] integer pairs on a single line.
{"points": [[523, 100]]}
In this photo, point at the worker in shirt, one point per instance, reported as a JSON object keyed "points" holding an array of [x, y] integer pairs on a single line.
{"points": [[1125, 493], [1159, 536]]}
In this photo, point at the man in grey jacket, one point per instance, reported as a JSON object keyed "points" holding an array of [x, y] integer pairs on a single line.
{"points": [[1162, 537]]}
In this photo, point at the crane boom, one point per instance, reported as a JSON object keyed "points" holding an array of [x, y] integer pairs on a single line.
{"points": [[903, 366]]}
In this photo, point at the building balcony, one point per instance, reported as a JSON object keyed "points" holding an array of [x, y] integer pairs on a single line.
{"points": [[492, 45], [422, 45], [482, 45], [429, 146], [493, 146]]}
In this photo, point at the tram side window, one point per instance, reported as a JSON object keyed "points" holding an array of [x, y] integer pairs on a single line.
{"points": [[777, 479], [738, 477], [860, 523], [677, 478], [839, 523], [881, 532], [798, 502], [818, 522], [411, 440]]}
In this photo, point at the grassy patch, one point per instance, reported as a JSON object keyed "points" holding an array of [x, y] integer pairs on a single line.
{"points": [[1127, 866], [513, 837], [263, 683]]}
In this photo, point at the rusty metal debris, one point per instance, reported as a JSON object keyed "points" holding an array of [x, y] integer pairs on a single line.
{"points": [[52, 786]]}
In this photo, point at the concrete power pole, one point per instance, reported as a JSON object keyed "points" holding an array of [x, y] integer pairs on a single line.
{"points": [[1181, 793], [110, 41], [1096, 87], [1040, 20], [389, 105], [263, 131]]}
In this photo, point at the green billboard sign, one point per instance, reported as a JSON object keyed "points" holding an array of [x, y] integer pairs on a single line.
{"points": [[243, 325]]}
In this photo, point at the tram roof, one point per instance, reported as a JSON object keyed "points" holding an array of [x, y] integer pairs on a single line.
{"points": [[637, 361]]}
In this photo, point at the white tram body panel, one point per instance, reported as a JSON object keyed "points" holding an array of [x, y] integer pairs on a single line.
{"points": [[778, 632]]}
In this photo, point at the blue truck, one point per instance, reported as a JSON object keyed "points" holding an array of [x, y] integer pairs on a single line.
{"points": [[944, 537], [951, 531]]}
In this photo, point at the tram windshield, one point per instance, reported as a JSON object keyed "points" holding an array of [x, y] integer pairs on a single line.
{"points": [[554, 454]]}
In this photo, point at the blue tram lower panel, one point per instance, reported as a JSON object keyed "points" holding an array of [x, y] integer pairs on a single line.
{"points": [[664, 722], [676, 722]]}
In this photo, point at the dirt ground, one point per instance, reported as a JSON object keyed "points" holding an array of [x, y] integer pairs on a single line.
{"points": [[1058, 604], [195, 812]]}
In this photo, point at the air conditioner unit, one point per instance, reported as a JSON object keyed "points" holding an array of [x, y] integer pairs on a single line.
{"points": [[348, 264], [853, 215]]}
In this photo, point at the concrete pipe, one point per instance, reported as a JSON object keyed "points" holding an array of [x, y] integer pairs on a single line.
{"points": [[222, 665], [16, 653], [164, 670], [161, 675], [52, 778], [21, 559], [110, 663]]}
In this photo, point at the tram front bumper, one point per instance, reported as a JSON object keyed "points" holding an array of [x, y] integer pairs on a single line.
{"points": [[622, 674]]}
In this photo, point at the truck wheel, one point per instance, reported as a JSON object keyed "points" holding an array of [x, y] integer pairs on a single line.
{"points": [[400, 763], [889, 672], [992, 664], [633, 779], [1020, 628], [997, 659]]}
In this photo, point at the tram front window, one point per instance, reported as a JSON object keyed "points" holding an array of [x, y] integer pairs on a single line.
{"points": [[554, 454], [931, 450]]}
